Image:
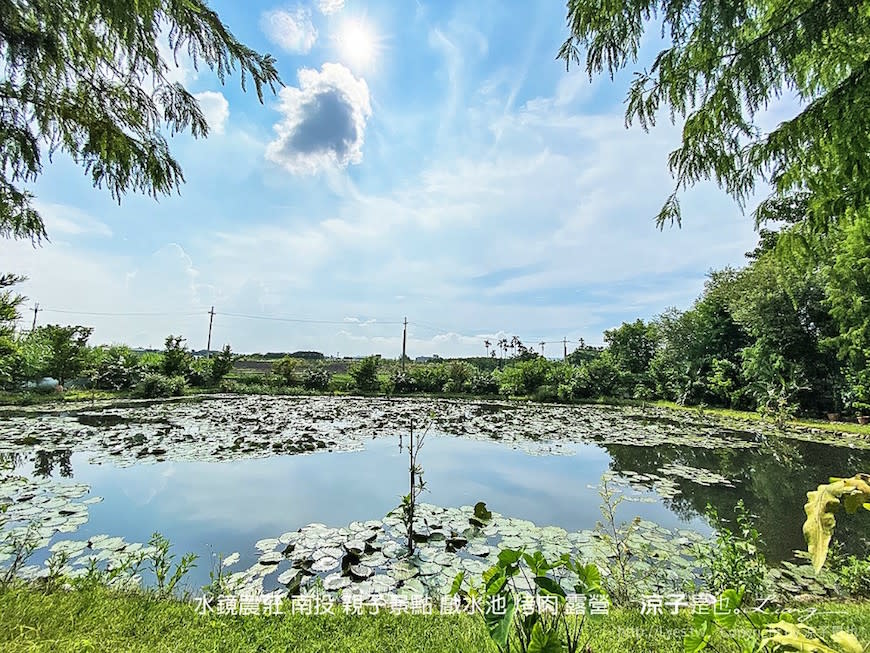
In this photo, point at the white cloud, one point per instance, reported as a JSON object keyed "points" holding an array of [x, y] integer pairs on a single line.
{"points": [[70, 221], [215, 108], [292, 31], [324, 121], [330, 6]]}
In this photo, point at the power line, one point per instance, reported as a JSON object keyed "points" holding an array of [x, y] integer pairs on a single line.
{"points": [[109, 314], [307, 321]]}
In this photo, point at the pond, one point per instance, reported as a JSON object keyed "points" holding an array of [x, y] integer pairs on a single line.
{"points": [[222, 474]]}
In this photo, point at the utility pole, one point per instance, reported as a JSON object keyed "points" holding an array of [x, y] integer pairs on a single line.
{"points": [[210, 320], [35, 311], [404, 341], [564, 348]]}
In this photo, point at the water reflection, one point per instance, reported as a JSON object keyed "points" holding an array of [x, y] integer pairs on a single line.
{"points": [[227, 506]]}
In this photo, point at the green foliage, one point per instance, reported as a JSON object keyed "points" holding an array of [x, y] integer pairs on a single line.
{"points": [[601, 377], [428, 377], [628, 566], [155, 385], [65, 350], [735, 558], [483, 384], [316, 378], [853, 575], [365, 374], [822, 503], [151, 361], [96, 84], [116, 368], [544, 627], [288, 369], [161, 561], [723, 64], [176, 358], [221, 364], [632, 345], [524, 377], [200, 372], [751, 630], [9, 303], [402, 381]]}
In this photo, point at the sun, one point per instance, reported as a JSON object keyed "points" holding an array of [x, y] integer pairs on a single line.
{"points": [[358, 43]]}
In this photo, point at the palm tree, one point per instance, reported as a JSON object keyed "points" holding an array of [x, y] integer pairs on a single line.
{"points": [[487, 344]]}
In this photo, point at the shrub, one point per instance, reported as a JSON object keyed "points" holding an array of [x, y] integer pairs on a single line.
{"points": [[483, 383], [402, 382], [117, 368], [524, 377], [151, 362], [316, 379], [602, 377], [736, 560], [176, 359], [548, 393], [159, 385], [200, 374], [365, 374], [430, 377], [222, 364], [854, 576], [288, 369]]}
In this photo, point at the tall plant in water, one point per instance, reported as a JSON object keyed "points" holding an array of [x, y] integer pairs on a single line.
{"points": [[416, 483]]}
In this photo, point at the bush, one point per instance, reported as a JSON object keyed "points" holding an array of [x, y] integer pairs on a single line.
{"points": [[736, 560], [288, 368], [117, 368], [524, 377], [316, 379], [602, 377], [222, 364], [365, 374], [854, 576], [200, 374], [548, 393], [176, 359], [430, 377], [402, 382], [159, 385], [151, 362], [483, 383]]}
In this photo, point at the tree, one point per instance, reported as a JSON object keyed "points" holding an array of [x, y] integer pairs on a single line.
{"points": [[91, 79], [67, 350], [847, 291], [725, 63], [632, 345], [365, 373], [176, 358], [782, 309], [222, 364], [10, 359]]}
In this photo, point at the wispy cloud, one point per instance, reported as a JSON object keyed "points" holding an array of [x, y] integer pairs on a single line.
{"points": [[291, 30]]}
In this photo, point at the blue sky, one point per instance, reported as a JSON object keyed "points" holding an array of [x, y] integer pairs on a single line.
{"points": [[425, 159]]}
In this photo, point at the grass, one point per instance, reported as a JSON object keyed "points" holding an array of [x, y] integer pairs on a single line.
{"points": [[729, 413], [97, 619]]}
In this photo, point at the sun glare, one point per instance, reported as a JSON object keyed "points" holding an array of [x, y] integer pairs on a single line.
{"points": [[358, 43]]}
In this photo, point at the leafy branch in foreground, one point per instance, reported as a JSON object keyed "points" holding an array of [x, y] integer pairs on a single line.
{"points": [[724, 65], [734, 627], [525, 605], [93, 79], [852, 493]]}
